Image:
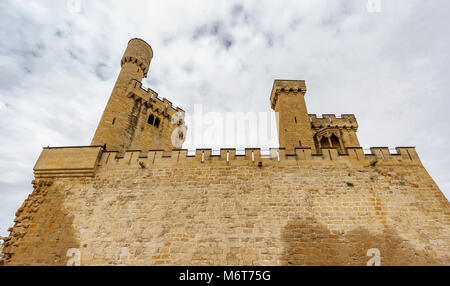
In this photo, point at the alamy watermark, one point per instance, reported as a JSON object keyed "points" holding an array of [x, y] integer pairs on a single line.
{"points": [[376, 257], [230, 129], [73, 6], [74, 257], [373, 6]]}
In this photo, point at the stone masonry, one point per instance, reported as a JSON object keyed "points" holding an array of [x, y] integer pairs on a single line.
{"points": [[134, 198]]}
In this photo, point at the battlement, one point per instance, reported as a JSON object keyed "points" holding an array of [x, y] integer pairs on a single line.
{"points": [[255, 157], [295, 86], [330, 120], [138, 52], [150, 97], [85, 160]]}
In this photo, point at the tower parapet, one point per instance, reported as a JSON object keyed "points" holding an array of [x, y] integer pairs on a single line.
{"points": [[330, 120], [162, 106], [139, 53], [283, 86], [332, 131]]}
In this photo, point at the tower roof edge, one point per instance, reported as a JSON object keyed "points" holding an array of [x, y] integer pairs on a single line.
{"points": [[286, 85], [139, 39]]}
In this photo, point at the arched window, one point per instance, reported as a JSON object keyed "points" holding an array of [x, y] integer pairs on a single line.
{"points": [[157, 122]]}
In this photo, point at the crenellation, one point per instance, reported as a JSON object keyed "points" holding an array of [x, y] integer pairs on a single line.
{"points": [[56, 165], [286, 86], [381, 153], [330, 153], [139, 53], [253, 154], [408, 153], [227, 154], [355, 153], [330, 120], [303, 153], [164, 106]]}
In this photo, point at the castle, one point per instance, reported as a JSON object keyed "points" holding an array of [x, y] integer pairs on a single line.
{"points": [[133, 197]]}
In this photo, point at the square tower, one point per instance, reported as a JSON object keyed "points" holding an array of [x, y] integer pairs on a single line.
{"points": [[294, 126]]}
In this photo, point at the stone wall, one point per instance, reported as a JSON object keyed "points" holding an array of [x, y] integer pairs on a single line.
{"points": [[1, 252], [166, 208]]}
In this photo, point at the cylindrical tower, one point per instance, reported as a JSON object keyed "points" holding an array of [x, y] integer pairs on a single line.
{"points": [[118, 123], [138, 54]]}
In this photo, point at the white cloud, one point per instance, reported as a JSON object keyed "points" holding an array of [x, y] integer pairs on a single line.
{"points": [[58, 68]]}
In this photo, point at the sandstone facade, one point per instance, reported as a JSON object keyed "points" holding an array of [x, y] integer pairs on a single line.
{"points": [[317, 200]]}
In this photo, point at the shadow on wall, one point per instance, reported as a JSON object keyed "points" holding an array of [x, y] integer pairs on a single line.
{"points": [[308, 242], [43, 232]]}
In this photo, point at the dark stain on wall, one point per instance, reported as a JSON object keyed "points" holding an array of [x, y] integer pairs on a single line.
{"points": [[309, 242]]}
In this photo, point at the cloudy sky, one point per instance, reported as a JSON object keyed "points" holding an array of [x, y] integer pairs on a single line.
{"points": [[59, 61]]}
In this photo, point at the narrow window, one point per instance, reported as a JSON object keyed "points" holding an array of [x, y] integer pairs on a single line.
{"points": [[114, 120], [295, 119], [150, 120], [300, 143], [157, 122]]}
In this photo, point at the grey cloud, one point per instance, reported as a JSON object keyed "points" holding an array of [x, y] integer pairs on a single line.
{"points": [[212, 29], [237, 10]]}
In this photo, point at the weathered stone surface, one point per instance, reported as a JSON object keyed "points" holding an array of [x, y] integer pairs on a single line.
{"points": [[1, 252], [302, 212]]}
